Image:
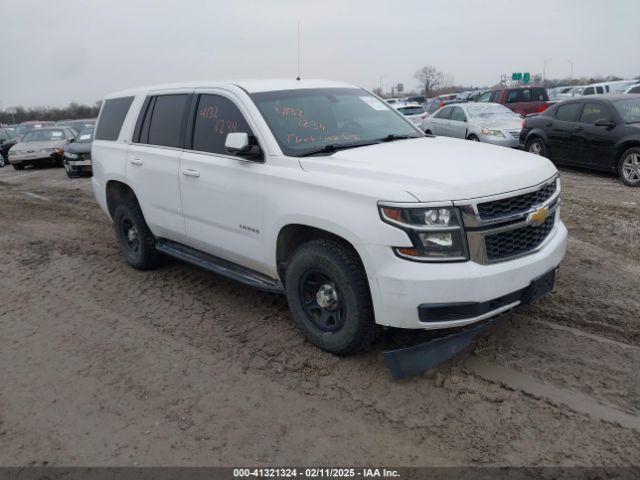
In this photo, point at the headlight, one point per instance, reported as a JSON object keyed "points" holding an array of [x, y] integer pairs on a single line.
{"points": [[71, 155], [492, 133], [436, 233]]}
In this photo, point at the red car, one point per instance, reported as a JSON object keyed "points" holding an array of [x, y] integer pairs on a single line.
{"points": [[522, 100]]}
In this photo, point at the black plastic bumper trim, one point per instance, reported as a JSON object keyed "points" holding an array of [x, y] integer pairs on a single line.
{"points": [[446, 312]]}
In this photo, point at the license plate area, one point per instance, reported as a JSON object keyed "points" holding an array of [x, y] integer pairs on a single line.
{"points": [[539, 287]]}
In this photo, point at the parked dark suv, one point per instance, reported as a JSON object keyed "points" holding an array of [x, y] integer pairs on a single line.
{"points": [[8, 139], [600, 132], [522, 100]]}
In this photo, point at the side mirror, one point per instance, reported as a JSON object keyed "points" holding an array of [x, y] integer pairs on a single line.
{"points": [[239, 144], [605, 122], [71, 140]]}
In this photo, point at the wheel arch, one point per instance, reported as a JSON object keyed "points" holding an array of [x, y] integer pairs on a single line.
{"points": [[624, 145], [116, 191], [293, 235], [536, 133]]}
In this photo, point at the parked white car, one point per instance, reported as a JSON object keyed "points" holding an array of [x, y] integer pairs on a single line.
{"points": [[482, 122], [633, 89], [320, 191], [608, 87], [412, 112]]}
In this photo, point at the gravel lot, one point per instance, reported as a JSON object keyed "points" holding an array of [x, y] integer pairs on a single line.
{"points": [[105, 365]]}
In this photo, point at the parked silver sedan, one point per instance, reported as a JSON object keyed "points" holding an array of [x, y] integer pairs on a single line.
{"points": [[41, 146], [480, 122]]}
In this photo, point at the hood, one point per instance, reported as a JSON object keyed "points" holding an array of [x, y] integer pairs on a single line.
{"points": [[438, 168], [500, 123], [39, 145]]}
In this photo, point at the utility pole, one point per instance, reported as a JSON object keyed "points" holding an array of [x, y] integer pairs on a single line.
{"points": [[544, 70], [380, 83], [571, 63]]}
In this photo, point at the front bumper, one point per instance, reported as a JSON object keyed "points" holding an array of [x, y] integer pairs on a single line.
{"points": [[32, 158], [80, 165], [507, 141], [399, 287]]}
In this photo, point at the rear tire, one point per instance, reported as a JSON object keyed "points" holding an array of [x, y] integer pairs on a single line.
{"points": [[137, 243], [629, 167], [329, 297], [536, 146], [3, 160]]}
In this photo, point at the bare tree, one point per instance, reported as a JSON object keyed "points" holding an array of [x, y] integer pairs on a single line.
{"points": [[430, 78]]}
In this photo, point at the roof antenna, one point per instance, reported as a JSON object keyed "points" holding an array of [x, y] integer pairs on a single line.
{"points": [[298, 59]]}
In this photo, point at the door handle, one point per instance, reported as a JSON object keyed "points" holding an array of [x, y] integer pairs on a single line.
{"points": [[135, 161], [190, 173], [550, 124], [578, 129]]}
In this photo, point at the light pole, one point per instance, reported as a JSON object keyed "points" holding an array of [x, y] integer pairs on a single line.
{"points": [[544, 70], [380, 83], [571, 63]]}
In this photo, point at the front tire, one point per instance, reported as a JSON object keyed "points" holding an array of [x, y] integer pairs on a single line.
{"points": [[329, 297], [18, 166], [137, 243], [473, 138], [629, 167], [537, 147], [3, 161]]}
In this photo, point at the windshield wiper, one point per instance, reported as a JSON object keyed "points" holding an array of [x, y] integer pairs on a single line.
{"points": [[334, 147], [394, 136]]}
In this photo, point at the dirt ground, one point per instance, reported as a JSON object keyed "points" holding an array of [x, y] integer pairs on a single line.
{"points": [[104, 365]]}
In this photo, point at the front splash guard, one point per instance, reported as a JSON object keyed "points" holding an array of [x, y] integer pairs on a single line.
{"points": [[410, 361]]}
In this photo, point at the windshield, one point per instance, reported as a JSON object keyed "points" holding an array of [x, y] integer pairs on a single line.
{"points": [[85, 136], [39, 135], [411, 110], [305, 120], [490, 110], [629, 110]]}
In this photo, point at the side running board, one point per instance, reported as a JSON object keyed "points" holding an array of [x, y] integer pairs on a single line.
{"points": [[219, 266]]}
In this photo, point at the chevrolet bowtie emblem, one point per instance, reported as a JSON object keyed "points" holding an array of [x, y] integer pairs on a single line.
{"points": [[538, 217]]}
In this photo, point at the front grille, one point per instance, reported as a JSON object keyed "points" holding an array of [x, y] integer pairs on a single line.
{"points": [[514, 205], [518, 241]]}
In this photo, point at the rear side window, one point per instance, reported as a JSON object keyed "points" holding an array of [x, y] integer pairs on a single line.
{"points": [[593, 112], [588, 91], [112, 117], [569, 113], [216, 116], [164, 121], [514, 96], [599, 90], [539, 95]]}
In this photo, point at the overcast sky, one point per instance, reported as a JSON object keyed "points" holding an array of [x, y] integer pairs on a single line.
{"points": [[55, 52]]}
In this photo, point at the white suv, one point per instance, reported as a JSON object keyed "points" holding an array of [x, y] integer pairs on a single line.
{"points": [[321, 191]]}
